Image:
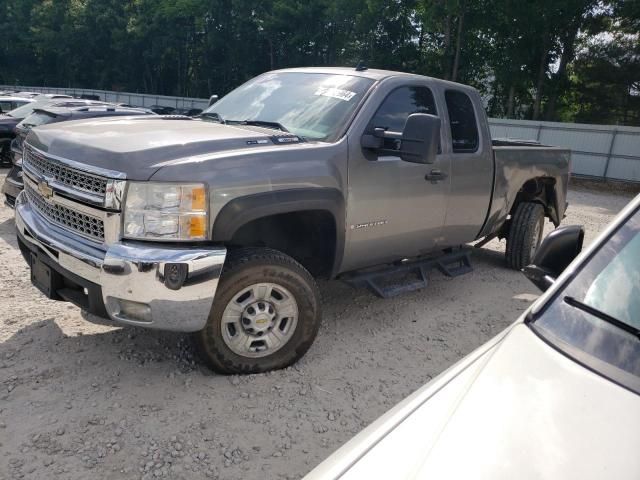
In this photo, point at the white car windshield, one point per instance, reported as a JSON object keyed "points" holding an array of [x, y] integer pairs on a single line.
{"points": [[316, 106], [598, 313]]}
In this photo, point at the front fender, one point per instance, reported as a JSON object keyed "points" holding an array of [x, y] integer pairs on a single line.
{"points": [[242, 210]]}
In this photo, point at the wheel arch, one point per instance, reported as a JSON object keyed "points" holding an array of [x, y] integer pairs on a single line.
{"points": [[307, 206], [542, 190]]}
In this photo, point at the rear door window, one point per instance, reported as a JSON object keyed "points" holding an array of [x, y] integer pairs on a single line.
{"points": [[462, 119]]}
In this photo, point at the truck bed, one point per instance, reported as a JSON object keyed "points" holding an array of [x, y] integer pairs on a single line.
{"points": [[515, 162]]}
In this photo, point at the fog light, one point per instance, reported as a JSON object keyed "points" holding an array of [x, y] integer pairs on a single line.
{"points": [[175, 274], [138, 312]]}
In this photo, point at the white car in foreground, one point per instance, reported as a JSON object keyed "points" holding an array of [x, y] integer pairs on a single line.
{"points": [[554, 396]]}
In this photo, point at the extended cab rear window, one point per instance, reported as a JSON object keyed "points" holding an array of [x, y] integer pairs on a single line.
{"points": [[462, 119]]}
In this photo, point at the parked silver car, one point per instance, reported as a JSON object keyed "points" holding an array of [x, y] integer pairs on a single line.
{"points": [[556, 395], [8, 103]]}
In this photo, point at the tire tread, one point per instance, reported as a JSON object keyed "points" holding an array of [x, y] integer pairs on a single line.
{"points": [[252, 257], [524, 220]]}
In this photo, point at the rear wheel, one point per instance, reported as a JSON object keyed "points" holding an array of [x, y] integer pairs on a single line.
{"points": [[525, 234], [265, 316]]}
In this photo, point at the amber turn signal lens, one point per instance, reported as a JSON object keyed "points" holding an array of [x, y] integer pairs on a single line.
{"points": [[198, 226], [198, 198]]}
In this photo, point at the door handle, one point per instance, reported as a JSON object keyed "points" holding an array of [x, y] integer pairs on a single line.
{"points": [[435, 176]]}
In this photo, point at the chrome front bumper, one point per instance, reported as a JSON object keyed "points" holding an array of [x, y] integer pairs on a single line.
{"points": [[131, 276]]}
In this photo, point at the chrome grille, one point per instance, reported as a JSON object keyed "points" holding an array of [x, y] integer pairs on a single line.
{"points": [[80, 223], [71, 177]]}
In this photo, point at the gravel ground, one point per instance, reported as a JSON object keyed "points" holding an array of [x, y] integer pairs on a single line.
{"points": [[79, 400]]}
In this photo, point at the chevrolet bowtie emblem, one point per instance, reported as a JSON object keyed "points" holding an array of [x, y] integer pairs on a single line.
{"points": [[45, 190]]}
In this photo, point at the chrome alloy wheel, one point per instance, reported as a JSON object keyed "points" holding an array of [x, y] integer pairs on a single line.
{"points": [[259, 320]]}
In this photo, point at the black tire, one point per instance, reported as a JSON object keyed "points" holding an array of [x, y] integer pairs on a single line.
{"points": [[247, 267], [5, 154], [525, 234]]}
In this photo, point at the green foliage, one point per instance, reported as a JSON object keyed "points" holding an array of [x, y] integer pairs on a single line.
{"points": [[543, 59]]}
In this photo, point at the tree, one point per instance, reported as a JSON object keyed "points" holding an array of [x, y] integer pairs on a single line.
{"points": [[538, 59]]}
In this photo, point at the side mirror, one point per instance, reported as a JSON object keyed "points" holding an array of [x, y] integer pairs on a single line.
{"points": [[554, 255], [418, 143], [420, 138], [213, 99]]}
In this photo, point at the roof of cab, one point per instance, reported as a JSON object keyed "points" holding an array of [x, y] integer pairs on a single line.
{"points": [[371, 73]]}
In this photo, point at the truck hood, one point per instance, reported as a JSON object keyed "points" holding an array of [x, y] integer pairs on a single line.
{"points": [[521, 411], [140, 146]]}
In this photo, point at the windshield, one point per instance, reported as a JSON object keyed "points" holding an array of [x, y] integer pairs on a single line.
{"points": [[36, 119], [598, 312], [316, 106]]}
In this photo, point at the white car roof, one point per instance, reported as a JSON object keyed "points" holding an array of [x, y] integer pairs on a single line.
{"points": [[16, 99]]}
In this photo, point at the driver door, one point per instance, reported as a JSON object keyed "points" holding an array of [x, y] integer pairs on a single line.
{"points": [[393, 211]]}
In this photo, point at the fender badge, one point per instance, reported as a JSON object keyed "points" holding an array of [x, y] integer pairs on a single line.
{"points": [[377, 223], [287, 139]]}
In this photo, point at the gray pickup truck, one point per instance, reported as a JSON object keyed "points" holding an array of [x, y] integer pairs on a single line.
{"points": [[219, 225]]}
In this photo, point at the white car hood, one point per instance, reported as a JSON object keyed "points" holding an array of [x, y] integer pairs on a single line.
{"points": [[520, 410]]}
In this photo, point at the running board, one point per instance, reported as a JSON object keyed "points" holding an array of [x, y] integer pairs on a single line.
{"points": [[378, 281]]}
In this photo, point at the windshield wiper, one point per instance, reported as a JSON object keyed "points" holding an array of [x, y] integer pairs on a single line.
{"points": [[602, 316], [259, 123], [214, 116]]}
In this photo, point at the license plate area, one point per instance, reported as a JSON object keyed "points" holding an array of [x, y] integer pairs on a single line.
{"points": [[42, 276]]}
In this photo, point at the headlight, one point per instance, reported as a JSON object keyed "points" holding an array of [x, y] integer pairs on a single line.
{"points": [[16, 152], [166, 211]]}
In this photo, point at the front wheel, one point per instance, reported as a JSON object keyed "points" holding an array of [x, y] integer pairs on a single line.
{"points": [[265, 315], [525, 234]]}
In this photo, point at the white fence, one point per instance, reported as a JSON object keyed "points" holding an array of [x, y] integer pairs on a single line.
{"points": [[599, 151]]}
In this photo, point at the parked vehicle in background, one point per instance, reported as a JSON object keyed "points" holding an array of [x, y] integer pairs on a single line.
{"points": [[189, 112], [18, 93], [13, 183], [162, 110], [9, 120], [296, 174], [51, 96], [8, 103], [554, 396]]}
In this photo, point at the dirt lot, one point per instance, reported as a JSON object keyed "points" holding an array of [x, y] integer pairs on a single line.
{"points": [[78, 400]]}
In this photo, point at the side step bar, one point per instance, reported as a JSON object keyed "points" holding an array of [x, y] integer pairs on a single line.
{"points": [[380, 283]]}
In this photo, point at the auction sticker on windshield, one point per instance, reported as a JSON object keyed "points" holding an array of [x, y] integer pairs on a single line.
{"points": [[338, 93]]}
